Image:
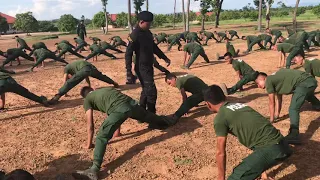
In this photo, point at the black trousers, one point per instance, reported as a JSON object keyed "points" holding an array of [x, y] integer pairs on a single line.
{"points": [[148, 96]]}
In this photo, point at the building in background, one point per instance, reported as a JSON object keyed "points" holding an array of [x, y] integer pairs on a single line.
{"points": [[10, 20]]}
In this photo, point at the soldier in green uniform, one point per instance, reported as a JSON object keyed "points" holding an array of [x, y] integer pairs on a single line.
{"points": [[208, 35], [311, 66], [80, 43], [232, 33], [312, 38], [119, 107], [36, 46], [117, 41], [267, 39], [96, 50], [3, 54], [161, 38], [288, 81], [187, 83], [221, 35], [8, 84], [283, 49], [43, 54], [318, 36], [252, 130], [21, 44], [300, 37], [229, 49], [251, 41], [105, 45], [95, 40], [67, 42], [15, 53], [174, 40], [192, 51], [64, 48], [290, 31], [244, 71], [193, 37], [183, 36], [275, 33], [76, 72], [81, 30]]}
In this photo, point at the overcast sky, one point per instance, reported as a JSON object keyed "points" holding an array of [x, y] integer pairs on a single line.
{"points": [[53, 9]]}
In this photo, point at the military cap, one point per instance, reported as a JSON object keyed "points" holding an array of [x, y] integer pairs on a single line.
{"points": [[145, 16]]}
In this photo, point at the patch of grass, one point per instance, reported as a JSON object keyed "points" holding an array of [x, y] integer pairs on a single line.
{"points": [[182, 161]]}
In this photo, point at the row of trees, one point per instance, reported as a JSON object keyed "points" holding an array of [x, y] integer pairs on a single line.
{"points": [[27, 23]]}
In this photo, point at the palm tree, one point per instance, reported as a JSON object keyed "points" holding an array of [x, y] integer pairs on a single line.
{"points": [[260, 16], [294, 19], [174, 16], [183, 16], [104, 7], [187, 21], [129, 16]]}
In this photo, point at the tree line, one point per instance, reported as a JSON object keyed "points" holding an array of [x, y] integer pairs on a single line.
{"points": [[67, 23]]}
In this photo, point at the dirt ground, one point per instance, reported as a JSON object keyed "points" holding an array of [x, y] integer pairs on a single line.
{"points": [[47, 141]]}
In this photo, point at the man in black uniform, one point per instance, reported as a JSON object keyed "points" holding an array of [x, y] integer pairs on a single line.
{"points": [[141, 42]]}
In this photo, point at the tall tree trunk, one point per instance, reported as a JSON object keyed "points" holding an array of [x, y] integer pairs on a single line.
{"points": [[268, 4], [183, 16], [106, 15], [260, 16], [202, 22], [174, 14], [147, 5], [294, 19], [187, 18], [219, 6], [129, 16]]}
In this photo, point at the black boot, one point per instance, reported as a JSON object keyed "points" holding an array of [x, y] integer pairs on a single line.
{"points": [[293, 136]]}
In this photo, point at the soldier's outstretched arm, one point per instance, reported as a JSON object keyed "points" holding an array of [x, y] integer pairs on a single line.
{"points": [[157, 51], [90, 129]]}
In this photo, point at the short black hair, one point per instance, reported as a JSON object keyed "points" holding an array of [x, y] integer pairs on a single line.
{"points": [[56, 44], [227, 54], [242, 37], [214, 95], [75, 38], [16, 36], [170, 76], [300, 54], [267, 28], [262, 74], [85, 91], [19, 174], [215, 31]]}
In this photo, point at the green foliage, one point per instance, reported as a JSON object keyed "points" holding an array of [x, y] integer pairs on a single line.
{"points": [[46, 26], [159, 20], [192, 16], [26, 22], [99, 20], [301, 10], [67, 23], [256, 3], [122, 20], [137, 6], [316, 10], [4, 27]]}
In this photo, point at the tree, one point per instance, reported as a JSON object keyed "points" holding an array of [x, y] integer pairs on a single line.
{"points": [[184, 16], [137, 6], [129, 16], [217, 5], [26, 22], [204, 9], [260, 16], [316, 10], [104, 7], [188, 11], [46, 26], [147, 5], [257, 3], [4, 26], [268, 6], [174, 16], [99, 20], [281, 4], [294, 18], [67, 23]]}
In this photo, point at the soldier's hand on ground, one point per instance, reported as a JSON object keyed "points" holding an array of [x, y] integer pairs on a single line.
{"points": [[116, 85]]}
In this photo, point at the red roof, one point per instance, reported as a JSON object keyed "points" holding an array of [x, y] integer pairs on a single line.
{"points": [[113, 17], [208, 13], [10, 19]]}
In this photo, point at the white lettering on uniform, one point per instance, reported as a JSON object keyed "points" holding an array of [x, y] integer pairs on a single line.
{"points": [[240, 60], [237, 106], [183, 75]]}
